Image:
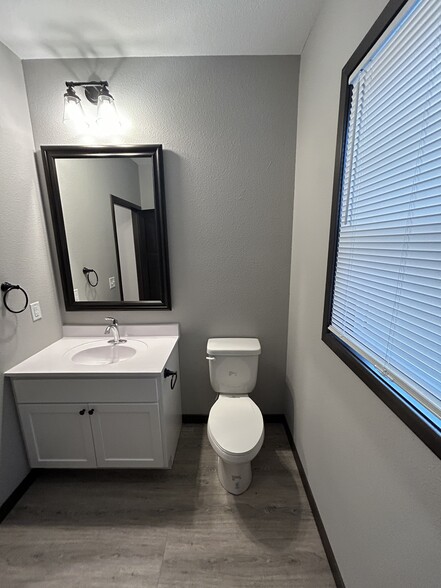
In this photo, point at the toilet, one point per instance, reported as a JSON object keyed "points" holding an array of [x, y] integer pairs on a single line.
{"points": [[235, 424]]}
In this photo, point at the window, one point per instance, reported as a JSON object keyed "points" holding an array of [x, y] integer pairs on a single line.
{"points": [[383, 305]]}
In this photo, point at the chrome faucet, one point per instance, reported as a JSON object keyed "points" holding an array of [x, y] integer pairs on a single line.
{"points": [[114, 329]]}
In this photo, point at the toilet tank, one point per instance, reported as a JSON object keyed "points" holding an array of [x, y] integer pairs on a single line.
{"points": [[233, 364]]}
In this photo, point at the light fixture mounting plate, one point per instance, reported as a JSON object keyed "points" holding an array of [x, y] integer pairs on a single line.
{"points": [[92, 93]]}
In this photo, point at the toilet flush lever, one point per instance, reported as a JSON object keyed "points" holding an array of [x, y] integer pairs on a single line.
{"points": [[210, 358]]}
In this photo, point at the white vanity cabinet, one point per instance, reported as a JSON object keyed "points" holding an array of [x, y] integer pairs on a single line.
{"points": [[92, 435], [119, 420]]}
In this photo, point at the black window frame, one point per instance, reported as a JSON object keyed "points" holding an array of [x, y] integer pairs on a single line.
{"points": [[417, 420]]}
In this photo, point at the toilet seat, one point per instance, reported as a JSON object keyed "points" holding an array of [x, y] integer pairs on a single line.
{"points": [[235, 428]]}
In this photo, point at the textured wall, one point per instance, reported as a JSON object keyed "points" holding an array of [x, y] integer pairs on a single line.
{"points": [[24, 260], [376, 484], [228, 127]]}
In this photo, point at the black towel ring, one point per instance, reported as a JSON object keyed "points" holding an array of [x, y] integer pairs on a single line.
{"points": [[87, 271], [6, 287]]}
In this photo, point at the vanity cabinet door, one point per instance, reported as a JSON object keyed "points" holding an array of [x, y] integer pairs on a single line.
{"points": [[127, 435], [57, 435]]}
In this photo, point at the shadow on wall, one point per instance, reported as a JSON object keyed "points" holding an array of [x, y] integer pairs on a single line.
{"points": [[12, 450], [75, 43], [289, 405], [13, 463], [8, 332]]}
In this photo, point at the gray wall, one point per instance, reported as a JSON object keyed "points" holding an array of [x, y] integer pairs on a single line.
{"points": [[85, 188], [228, 127], [376, 484], [24, 257]]}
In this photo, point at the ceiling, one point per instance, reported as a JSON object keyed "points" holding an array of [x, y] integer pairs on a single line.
{"points": [[125, 28]]}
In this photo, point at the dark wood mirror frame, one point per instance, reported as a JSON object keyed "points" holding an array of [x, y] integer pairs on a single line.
{"points": [[50, 154]]}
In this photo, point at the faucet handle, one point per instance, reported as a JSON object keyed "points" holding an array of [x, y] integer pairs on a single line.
{"points": [[112, 320]]}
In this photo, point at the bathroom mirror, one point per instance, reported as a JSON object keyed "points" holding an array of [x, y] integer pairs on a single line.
{"points": [[108, 213]]}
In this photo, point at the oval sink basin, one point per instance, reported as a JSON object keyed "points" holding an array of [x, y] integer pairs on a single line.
{"points": [[104, 353]]}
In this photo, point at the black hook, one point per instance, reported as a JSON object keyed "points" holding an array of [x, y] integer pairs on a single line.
{"points": [[6, 287], [174, 377]]}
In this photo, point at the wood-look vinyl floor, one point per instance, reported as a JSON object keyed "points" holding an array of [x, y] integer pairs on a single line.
{"points": [[167, 528]]}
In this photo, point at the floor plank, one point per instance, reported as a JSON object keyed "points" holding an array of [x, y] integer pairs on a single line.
{"points": [[167, 528]]}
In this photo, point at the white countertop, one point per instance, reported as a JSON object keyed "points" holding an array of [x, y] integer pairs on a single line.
{"points": [[54, 361]]}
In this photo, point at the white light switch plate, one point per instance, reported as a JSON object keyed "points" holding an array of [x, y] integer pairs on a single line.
{"points": [[112, 282], [35, 311]]}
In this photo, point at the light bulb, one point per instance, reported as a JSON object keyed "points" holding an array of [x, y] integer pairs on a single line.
{"points": [[73, 112], [106, 115]]}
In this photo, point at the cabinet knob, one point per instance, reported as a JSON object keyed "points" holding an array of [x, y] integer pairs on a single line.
{"points": [[82, 411], [91, 411]]}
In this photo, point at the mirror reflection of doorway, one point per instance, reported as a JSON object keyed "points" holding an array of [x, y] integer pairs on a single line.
{"points": [[137, 250]]}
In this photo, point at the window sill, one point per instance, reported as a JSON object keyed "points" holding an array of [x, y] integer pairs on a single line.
{"points": [[409, 412]]}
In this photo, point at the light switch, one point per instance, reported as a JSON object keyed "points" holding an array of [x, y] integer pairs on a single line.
{"points": [[112, 282], [35, 311]]}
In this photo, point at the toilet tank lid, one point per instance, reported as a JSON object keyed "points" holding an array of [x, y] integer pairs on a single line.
{"points": [[233, 346]]}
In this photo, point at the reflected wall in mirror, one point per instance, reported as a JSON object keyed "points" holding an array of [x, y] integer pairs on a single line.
{"points": [[108, 213]]}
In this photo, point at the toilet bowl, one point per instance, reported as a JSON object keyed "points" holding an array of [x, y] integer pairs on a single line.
{"points": [[236, 432], [235, 424]]}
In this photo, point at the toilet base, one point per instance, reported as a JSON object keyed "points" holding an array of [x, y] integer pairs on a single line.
{"points": [[234, 477]]}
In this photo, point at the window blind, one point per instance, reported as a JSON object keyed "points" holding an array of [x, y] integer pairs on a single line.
{"points": [[387, 288]]}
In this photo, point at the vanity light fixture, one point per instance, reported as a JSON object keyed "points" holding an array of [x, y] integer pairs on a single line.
{"points": [[98, 94]]}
